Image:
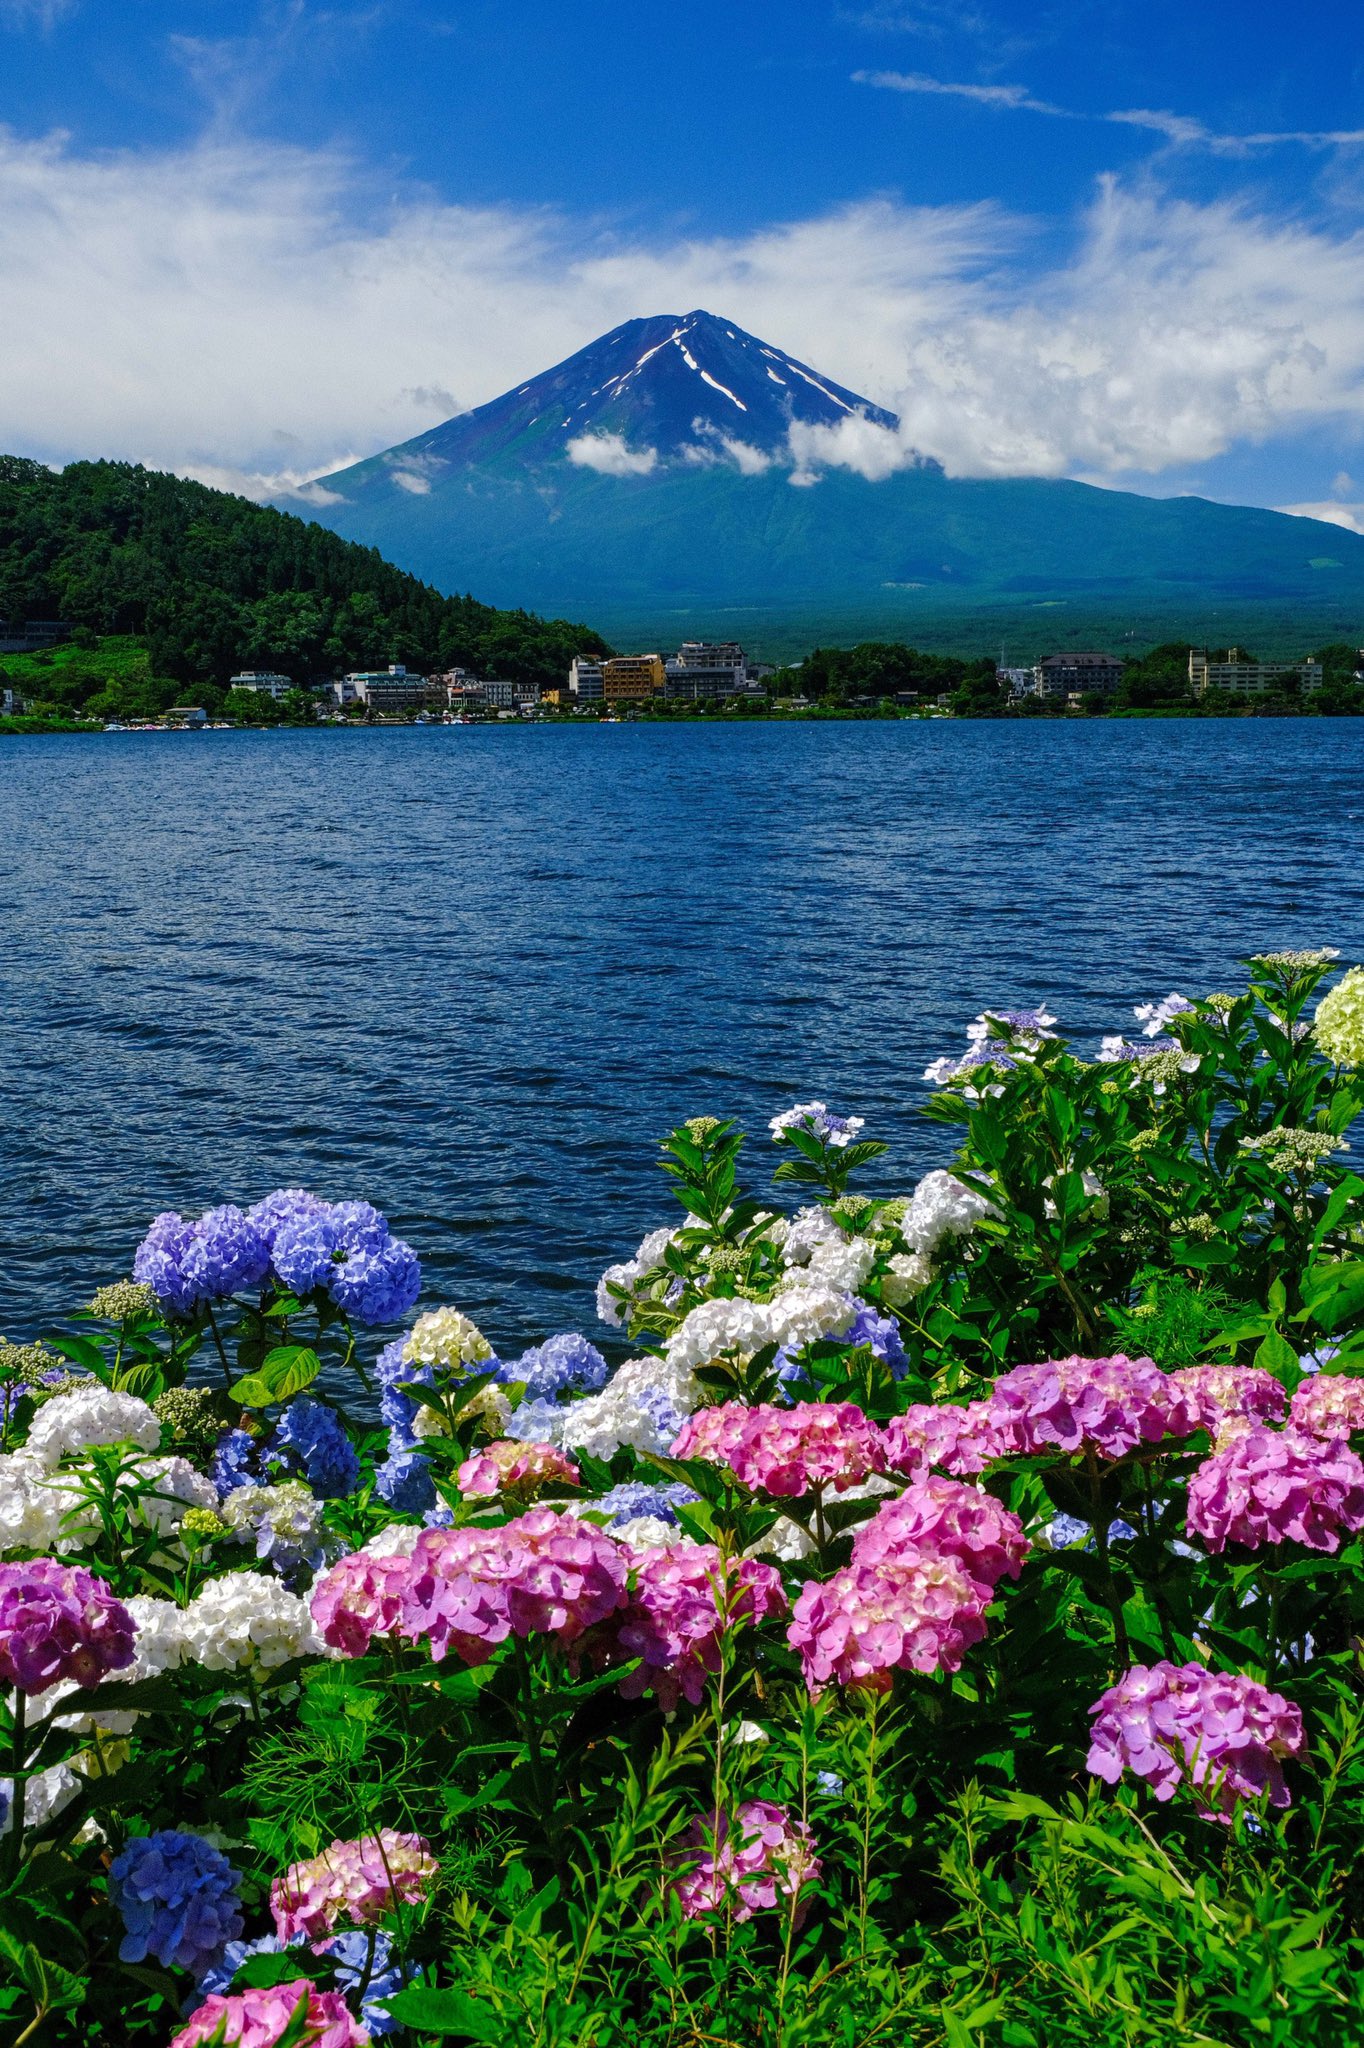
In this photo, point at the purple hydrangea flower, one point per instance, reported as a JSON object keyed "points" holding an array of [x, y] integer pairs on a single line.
{"points": [[158, 1262], [177, 1895], [881, 1332], [636, 1497], [534, 1422], [58, 1621], [561, 1365], [312, 1441], [1226, 1733], [376, 1285], [284, 1207], [347, 1248], [1277, 1486], [186, 1264]]}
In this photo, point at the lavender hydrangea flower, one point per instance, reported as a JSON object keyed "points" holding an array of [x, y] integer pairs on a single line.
{"points": [[284, 1207], [561, 1365], [816, 1119], [399, 1410], [236, 1461], [882, 1333], [347, 1249], [189, 1264], [404, 1480], [177, 1896], [636, 1497], [310, 1438], [534, 1422]]}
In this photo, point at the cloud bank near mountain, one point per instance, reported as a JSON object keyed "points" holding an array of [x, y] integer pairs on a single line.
{"points": [[255, 315]]}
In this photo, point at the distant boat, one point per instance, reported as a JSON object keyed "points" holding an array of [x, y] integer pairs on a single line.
{"points": [[115, 726]]}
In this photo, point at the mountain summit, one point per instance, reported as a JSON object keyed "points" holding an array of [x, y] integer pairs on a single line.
{"points": [[648, 483], [676, 387]]}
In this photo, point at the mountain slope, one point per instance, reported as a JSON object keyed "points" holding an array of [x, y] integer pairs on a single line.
{"points": [[648, 482], [213, 583]]}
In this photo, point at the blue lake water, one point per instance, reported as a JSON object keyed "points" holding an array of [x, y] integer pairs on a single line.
{"points": [[472, 974]]}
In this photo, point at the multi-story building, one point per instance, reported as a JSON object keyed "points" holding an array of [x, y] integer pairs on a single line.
{"points": [[1242, 678], [502, 696], [628, 678], [1081, 674], [700, 669], [1019, 682], [263, 682], [585, 680], [390, 689]]}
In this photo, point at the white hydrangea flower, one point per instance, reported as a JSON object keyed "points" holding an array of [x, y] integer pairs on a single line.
{"points": [[643, 1375], [447, 1337], [648, 1532], [601, 1423], [907, 1274], [399, 1539], [713, 1327], [786, 1541], [1154, 1018], [940, 1207], [46, 1795], [808, 1229], [801, 1313], [91, 1415], [245, 1618], [842, 1265], [1339, 1021], [630, 1272], [160, 1643], [31, 1509]]}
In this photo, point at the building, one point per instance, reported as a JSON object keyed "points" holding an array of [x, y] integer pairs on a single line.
{"points": [[1241, 678], [33, 636], [1081, 674], [700, 669], [1019, 682], [585, 680], [185, 714], [383, 689], [499, 695], [629, 678], [263, 682]]}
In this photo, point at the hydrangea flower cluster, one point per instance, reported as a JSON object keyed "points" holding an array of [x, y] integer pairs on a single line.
{"points": [[1277, 1486], [283, 1522], [962, 1439], [347, 1250], [518, 1470], [815, 1119], [447, 1338], [544, 1574], [246, 1620], [801, 1313], [1214, 1395], [941, 1207], [309, 1438], [361, 1597], [765, 1855], [366, 1972], [259, 2019], [644, 1405], [1331, 1405], [635, 1499], [189, 1265], [1110, 1404], [361, 1880], [93, 1414], [58, 1621], [801, 1236], [626, 1278], [953, 1520], [565, 1364], [919, 1612], [684, 1601], [1155, 1018], [177, 1896], [1339, 1021], [787, 1451], [1226, 1734]]}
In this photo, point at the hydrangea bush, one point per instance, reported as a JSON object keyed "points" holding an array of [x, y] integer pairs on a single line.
{"points": [[927, 1615]]}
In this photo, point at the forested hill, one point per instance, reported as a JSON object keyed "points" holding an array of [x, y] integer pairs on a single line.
{"points": [[214, 583]]}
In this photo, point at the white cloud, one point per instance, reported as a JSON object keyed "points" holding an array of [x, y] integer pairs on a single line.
{"points": [[1351, 517], [410, 480], [45, 13], [609, 455], [259, 315]]}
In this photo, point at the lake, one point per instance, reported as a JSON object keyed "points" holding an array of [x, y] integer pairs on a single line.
{"points": [[473, 973]]}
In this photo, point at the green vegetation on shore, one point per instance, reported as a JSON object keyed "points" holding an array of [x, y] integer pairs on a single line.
{"points": [[173, 586]]}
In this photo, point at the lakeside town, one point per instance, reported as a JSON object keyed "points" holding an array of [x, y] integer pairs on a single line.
{"points": [[703, 678]]}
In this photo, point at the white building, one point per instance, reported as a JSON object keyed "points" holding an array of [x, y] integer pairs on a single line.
{"points": [[1019, 682], [383, 689], [703, 668], [585, 680], [1241, 678], [264, 682]]}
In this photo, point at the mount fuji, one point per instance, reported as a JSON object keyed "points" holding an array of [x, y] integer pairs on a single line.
{"points": [[658, 483]]}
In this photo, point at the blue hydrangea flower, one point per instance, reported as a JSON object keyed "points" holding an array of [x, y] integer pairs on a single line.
{"points": [[561, 1365], [310, 1439], [441, 1516], [534, 1422], [404, 1480], [186, 1264], [664, 1413], [397, 1409], [236, 1462], [158, 1263], [303, 1249], [829, 1782], [376, 1285], [634, 1497], [346, 1248], [1066, 1530], [882, 1333], [177, 1896]]}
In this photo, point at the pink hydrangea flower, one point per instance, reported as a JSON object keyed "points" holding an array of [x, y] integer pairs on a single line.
{"points": [[1226, 1734], [257, 2019], [1276, 1486], [1331, 1405], [1217, 1394], [745, 1868], [787, 1451], [682, 1605], [58, 1621], [543, 1574], [1110, 1405], [921, 1613], [942, 1515], [962, 1439], [363, 1880], [516, 1468], [360, 1597]]}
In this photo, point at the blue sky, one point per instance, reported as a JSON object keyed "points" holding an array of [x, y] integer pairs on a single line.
{"points": [[1121, 242]]}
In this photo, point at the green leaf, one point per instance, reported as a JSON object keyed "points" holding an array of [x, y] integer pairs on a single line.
{"points": [[286, 1371], [1276, 1355], [262, 1973], [448, 2012]]}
